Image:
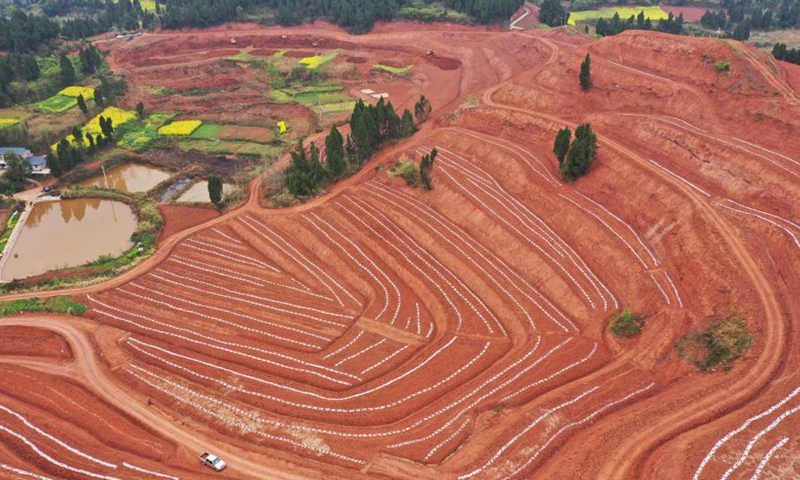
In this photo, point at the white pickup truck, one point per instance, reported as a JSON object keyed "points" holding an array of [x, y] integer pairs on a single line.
{"points": [[213, 461]]}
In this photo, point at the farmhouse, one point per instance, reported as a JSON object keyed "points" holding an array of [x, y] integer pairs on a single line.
{"points": [[38, 162]]}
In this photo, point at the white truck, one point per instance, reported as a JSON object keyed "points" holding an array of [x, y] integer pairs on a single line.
{"points": [[213, 461]]}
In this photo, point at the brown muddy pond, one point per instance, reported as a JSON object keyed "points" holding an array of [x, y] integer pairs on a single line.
{"points": [[199, 192], [130, 178], [69, 233]]}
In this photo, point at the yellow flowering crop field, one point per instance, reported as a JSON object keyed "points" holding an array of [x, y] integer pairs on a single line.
{"points": [[7, 122], [182, 128], [653, 13], [75, 91], [117, 115], [313, 63]]}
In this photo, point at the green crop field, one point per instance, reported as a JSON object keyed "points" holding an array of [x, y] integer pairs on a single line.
{"points": [[138, 135], [335, 107], [398, 72], [58, 104], [312, 96], [229, 147], [653, 13], [206, 131]]}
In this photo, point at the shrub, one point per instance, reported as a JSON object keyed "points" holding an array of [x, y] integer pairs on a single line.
{"points": [[407, 171], [627, 324], [723, 66], [720, 344], [62, 305]]}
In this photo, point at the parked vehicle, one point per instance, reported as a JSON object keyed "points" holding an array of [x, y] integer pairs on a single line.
{"points": [[213, 461]]}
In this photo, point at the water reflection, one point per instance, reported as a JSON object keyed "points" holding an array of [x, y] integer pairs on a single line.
{"points": [[130, 177], [199, 192], [69, 233]]}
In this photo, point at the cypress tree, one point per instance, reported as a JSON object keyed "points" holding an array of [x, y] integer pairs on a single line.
{"points": [[426, 169], [98, 96], [82, 104], [66, 71], [334, 150], [581, 153], [215, 189], [407, 124], [561, 146], [585, 76], [53, 164]]}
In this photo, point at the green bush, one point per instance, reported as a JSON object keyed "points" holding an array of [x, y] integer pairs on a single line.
{"points": [[723, 66], [627, 324], [62, 305], [407, 171], [720, 344]]}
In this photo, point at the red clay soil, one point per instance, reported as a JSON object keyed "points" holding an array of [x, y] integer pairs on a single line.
{"points": [[384, 331], [690, 14], [33, 342], [178, 218]]}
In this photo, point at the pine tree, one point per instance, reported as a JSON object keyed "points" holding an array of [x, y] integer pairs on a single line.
{"points": [[426, 169], [407, 127], [561, 146], [585, 76], [82, 104], [215, 189], [66, 71], [52, 162], [98, 96], [334, 150], [140, 110]]}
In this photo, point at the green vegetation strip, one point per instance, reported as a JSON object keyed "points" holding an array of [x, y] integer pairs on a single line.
{"points": [[138, 136], [627, 324], [399, 72], [62, 305], [206, 131], [12, 222], [58, 104], [8, 122], [718, 345]]}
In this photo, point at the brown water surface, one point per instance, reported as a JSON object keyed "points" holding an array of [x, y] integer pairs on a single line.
{"points": [[199, 192], [129, 177], [69, 233]]}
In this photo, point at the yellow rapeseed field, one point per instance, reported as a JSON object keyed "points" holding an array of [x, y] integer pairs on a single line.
{"points": [[182, 128], [117, 115], [74, 91]]}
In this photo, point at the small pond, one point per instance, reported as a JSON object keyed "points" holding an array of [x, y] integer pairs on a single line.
{"points": [[129, 178], [69, 233]]}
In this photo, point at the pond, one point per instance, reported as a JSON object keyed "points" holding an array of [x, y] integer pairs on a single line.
{"points": [[129, 178], [199, 192], [69, 233]]}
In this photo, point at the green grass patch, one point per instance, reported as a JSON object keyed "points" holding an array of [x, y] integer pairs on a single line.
{"points": [[228, 147], [161, 91], [62, 305], [397, 72], [720, 344], [138, 136], [12, 222], [311, 95], [206, 131], [626, 324], [407, 171], [653, 13], [58, 104], [334, 107]]}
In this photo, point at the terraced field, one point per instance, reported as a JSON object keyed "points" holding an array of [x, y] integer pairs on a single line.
{"points": [[382, 331]]}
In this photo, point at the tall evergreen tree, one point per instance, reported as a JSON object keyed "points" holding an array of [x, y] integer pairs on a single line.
{"points": [[82, 104], [52, 162], [585, 76], [215, 189], [334, 150], [98, 96], [66, 71], [553, 14], [407, 124], [426, 169], [561, 146]]}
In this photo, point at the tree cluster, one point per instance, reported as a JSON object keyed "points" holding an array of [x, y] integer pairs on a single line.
{"points": [[90, 59], [553, 14], [575, 158], [616, 25], [16, 172], [370, 128], [70, 154], [781, 52], [23, 32], [739, 17]]}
